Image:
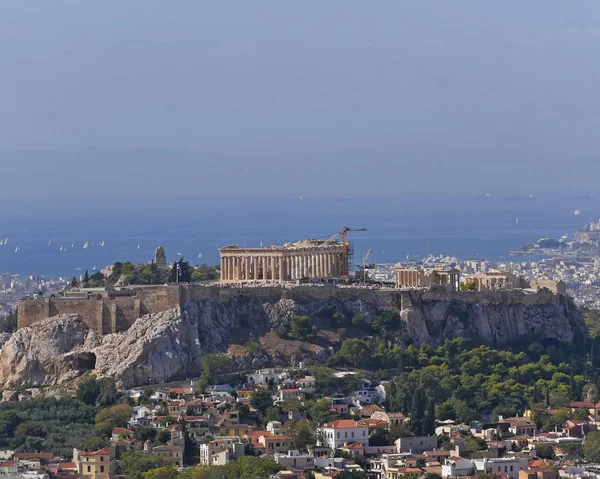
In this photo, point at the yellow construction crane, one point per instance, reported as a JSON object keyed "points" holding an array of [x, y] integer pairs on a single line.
{"points": [[344, 234]]}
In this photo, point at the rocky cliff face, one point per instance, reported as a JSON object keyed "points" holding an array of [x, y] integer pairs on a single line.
{"points": [[49, 352], [169, 345]]}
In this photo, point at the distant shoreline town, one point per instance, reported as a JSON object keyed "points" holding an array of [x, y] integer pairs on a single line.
{"points": [[571, 260]]}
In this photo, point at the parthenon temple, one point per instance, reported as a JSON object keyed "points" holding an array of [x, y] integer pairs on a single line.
{"points": [[292, 261]]}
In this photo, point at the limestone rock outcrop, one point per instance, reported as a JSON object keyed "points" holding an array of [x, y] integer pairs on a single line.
{"points": [[169, 345], [158, 347], [48, 352]]}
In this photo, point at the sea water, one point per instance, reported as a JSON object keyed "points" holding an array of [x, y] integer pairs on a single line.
{"points": [[464, 225]]}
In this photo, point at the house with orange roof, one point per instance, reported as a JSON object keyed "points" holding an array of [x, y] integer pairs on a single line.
{"points": [[182, 391], [391, 418], [244, 393], [273, 444], [288, 394], [239, 430], [373, 424], [343, 431], [538, 473], [356, 449], [101, 464], [367, 410], [307, 384], [176, 406]]}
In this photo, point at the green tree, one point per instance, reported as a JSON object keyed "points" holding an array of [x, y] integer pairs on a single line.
{"points": [[109, 418], [162, 436], [143, 434], [379, 437], [428, 426], [213, 365], [272, 413], [303, 435], [135, 463], [165, 472], [301, 327], [417, 412], [591, 447], [544, 451], [581, 414], [261, 400], [86, 278], [108, 392], [89, 390], [320, 411], [354, 351], [94, 443], [185, 275], [468, 286]]}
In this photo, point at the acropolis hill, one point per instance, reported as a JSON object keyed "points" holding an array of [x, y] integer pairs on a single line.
{"points": [[495, 316]]}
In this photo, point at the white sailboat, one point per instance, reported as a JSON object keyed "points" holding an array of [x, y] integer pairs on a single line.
{"points": [[138, 246], [102, 244], [577, 212], [49, 242], [17, 249], [85, 245], [517, 221], [199, 255], [61, 248]]}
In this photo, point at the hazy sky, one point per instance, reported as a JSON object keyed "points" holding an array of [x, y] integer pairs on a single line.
{"points": [[304, 97]]}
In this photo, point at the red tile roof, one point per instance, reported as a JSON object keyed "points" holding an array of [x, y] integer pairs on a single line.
{"points": [[342, 424], [354, 445], [102, 452], [33, 455]]}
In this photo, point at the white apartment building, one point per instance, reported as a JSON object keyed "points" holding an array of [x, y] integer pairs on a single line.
{"points": [[343, 431]]}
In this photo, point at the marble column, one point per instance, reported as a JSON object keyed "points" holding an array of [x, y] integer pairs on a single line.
{"points": [[295, 266], [338, 264], [283, 270]]}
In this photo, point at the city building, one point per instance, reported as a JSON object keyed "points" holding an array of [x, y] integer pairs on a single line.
{"points": [[343, 431], [296, 459], [100, 464], [416, 443]]}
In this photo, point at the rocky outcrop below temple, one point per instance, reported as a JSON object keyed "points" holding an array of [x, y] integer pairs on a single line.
{"points": [[168, 345]]}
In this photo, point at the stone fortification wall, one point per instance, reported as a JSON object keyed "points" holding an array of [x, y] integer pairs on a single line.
{"points": [[103, 314]]}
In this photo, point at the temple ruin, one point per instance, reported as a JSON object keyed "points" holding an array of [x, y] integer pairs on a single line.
{"points": [[306, 259]]}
